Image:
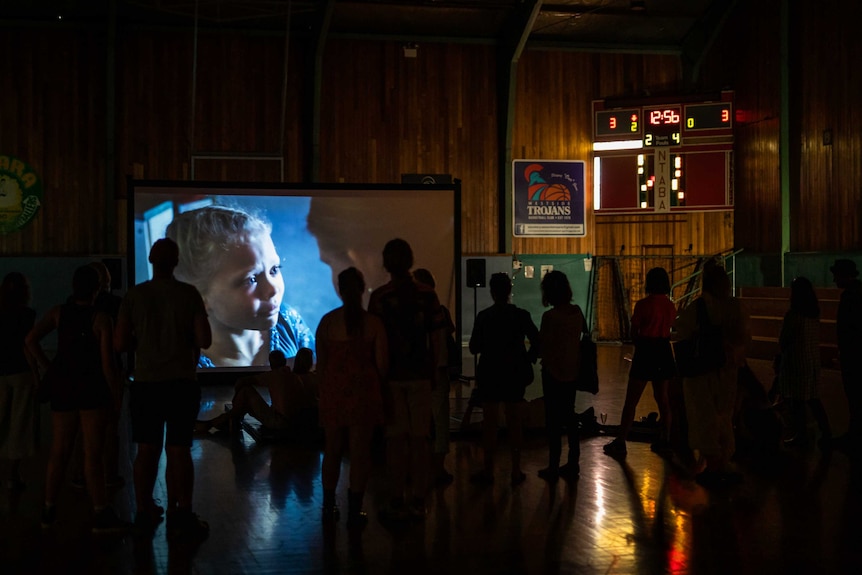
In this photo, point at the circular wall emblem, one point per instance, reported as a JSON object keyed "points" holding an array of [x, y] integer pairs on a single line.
{"points": [[20, 194]]}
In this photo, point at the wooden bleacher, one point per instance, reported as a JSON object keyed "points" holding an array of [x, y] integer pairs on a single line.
{"points": [[767, 306]]}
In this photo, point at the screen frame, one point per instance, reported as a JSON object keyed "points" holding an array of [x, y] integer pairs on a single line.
{"points": [[271, 189]]}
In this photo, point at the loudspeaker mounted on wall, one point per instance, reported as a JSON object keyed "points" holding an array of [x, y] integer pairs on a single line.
{"points": [[475, 273]]}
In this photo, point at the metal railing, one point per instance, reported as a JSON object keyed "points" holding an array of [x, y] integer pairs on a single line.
{"points": [[692, 282]]}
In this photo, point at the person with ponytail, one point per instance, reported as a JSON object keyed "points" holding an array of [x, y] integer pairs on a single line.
{"points": [[351, 362]]}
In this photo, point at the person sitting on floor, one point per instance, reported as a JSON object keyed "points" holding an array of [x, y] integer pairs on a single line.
{"points": [[293, 394]]}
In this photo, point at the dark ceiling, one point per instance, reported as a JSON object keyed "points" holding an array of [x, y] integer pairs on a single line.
{"points": [[636, 25]]}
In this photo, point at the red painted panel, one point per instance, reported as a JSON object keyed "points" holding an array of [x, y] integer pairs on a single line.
{"points": [[619, 182], [705, 178]]}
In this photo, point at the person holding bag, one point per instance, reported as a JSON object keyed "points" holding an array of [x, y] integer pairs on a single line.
{"points": [[504, 371], [560, 335], [710, 390]]}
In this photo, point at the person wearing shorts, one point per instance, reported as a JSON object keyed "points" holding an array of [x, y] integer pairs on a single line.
{"points": [[163, 409], [164, 322], [653, 361], [504, 370], [415, 333]]}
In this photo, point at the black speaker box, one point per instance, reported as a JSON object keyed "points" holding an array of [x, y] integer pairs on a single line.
{"points": [[476, 273]]}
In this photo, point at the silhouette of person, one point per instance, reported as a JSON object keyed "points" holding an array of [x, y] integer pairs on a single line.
{"points": [[164, 322], [110, 304], [229, 256], [18, 410], [106, 300], [415, 325], [352, 358], [559, 337], [849, 330], [293, 395], [440, 393], [799, 363], [82, 376], [652, 360], [710, 398], [504, 370]]}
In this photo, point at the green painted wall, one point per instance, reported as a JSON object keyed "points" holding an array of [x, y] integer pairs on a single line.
{"points": [[526, 292], [765, 269]]}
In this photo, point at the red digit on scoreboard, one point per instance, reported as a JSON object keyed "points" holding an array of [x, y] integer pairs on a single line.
{"points": [[613, 122], [725, 116]]}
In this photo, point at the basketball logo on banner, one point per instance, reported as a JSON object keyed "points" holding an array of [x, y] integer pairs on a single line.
{"points": [[548, 198], [20, 194]]}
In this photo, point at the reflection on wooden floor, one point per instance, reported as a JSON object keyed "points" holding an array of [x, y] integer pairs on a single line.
{"points": [[795, 514]]}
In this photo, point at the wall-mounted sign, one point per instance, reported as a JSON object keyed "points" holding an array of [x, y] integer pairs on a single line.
{"points": [[20, 194], [548, 198]]}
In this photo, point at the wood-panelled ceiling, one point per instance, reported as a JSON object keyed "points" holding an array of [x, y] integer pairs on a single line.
{"points": [[646, 25]]}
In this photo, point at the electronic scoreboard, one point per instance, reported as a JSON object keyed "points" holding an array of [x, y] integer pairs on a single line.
{"points": [[663, 155]]}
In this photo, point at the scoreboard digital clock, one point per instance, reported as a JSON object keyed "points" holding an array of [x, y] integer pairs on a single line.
{"points": [[714, 116], [662, 126], [618, 123]]}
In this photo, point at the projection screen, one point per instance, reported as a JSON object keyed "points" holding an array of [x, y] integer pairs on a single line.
{"points": [[316, 231]]}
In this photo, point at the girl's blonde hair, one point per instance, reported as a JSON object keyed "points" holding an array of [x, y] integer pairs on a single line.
{"points": [[205, 235]]}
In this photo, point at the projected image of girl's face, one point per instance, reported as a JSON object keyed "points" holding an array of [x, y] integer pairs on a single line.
{"points": [[246, 291]]}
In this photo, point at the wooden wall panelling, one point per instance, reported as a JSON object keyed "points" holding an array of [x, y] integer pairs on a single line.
{"points": [[824, 44], [154, 69], [240, 87], [553, 118], [674, 241], [829, 215], [746, 59], [384, 115], [238, 104], [239, 93], [54, 121], [237, 170]]}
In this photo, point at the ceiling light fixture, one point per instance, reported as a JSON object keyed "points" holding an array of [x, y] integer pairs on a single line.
{"points": [[637, 5]]}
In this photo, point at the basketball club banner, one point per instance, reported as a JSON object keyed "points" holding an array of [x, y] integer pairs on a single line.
{"points": [[548, 198]]}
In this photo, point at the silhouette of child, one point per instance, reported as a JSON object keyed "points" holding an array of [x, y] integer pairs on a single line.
{"points": [[293, 395]]}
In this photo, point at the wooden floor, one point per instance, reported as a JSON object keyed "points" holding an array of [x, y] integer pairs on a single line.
{"points": [[799, 513]]}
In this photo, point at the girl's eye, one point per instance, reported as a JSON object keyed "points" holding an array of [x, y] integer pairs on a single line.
{"points": [[251, 280], [275, 271]]}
